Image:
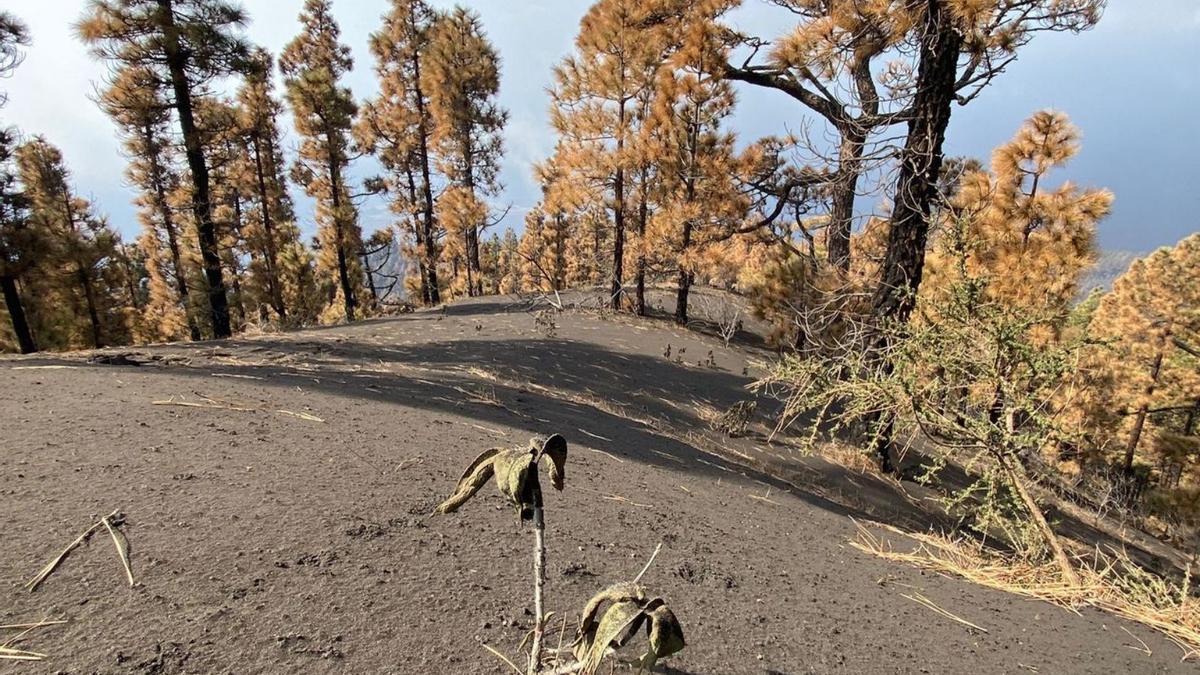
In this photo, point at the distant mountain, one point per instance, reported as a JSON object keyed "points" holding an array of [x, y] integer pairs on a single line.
{"points": [[389, 267], [1109, 266]]}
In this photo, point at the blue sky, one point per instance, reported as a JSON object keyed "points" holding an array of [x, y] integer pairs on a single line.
{"points": [[1132, 85]]}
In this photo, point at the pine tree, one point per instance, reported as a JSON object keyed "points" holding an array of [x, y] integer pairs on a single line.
{"points": [[19, 245], [462, 80], [397, 128], [828, 64], [14, 35], [225, 144], [136, 104], [459, 210], [699, 201], [1148, 356], [14, 234], [1032, 243], [313, 65], [490, 272], [620, 47], [77, 306], [541, 253], [270, 225], [964, 45], [185, 44], [508, 264]]}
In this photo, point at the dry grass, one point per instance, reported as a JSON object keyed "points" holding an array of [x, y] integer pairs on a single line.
{"points": [[212, 403], [10, 653], [48, 569], [1110, 581]]}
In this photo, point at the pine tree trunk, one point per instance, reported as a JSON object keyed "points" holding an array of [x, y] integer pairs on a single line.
{"points": [[471, 233], [1189, 424], [181, 286], [469, 267], [349, 297], [1016, 476], [426, 183], [235, 270], [16, 314], [689, 195], [130, 285], [1139, 421], [921, 162], [845, 186], [168, 225], [618, 271], [560, 259], [82, 275], [177, 61], [89, 297], [418, 237], [643, 215], [370, 279], [270, 254], [238, 303], [916, 185]]}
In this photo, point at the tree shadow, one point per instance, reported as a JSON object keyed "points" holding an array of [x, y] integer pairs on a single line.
{"points": [[628, 405]]}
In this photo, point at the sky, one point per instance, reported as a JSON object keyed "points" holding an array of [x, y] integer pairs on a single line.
{"points": [[1131, 84]]}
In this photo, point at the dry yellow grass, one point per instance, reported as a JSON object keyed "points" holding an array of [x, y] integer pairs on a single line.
{"points": [[1110, 581], [10, 653]]}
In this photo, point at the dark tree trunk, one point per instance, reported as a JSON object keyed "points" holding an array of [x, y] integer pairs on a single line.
{"points": [[916, 187], [16, 314], [618, 220], [181, 286], [685, 275], [349, 298], [130, 286], [1189, 424], [681, 296], [685, 280], [234, 267], [366, 258], [83, 275], [474, 269], [921, 162], [89, 297], [643, 215], [468, 265], [418, 236], [168, 223], [845, 187], [270, 254], [426, 183], [560, 262], [1139, 421], [177, 60]]}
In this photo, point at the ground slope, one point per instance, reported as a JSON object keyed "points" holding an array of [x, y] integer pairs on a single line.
{"points": [[293, 533]]}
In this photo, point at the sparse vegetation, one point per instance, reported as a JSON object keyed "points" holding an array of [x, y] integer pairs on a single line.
{"points": [[927, 347], [626, 607]]}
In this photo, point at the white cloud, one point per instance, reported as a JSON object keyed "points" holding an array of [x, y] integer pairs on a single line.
{"points": [[1092, 76]]}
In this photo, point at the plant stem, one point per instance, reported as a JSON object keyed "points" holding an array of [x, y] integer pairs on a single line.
{"points": [[1016, 476], [539, 578], [648, 563]]}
